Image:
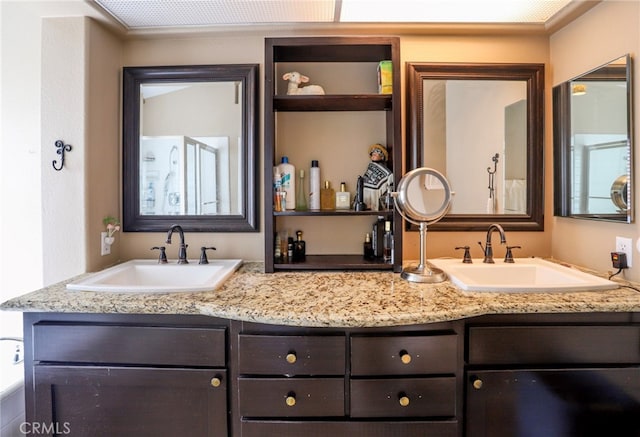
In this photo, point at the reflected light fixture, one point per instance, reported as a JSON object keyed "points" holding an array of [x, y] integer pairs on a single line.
{"points": [[579, 89]]}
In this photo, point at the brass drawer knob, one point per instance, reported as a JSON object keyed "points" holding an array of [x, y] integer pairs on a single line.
{"points": [[477, 383], [290, 400], [291, 358], [405, 357], [215, 382], [404, 401]]}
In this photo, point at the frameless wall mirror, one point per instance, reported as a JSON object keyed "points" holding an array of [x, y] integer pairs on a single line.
{"points": [[189, 148], [480, 125], [593, 150]]}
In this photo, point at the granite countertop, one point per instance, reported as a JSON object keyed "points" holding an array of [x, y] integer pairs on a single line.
{"points": [[326, 299]]}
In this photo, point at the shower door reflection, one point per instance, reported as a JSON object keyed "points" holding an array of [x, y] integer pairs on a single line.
{"points": [[184, 175]]}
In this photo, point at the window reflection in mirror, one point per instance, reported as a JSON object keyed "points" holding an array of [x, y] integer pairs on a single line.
{"points": [[481, 125], [592, 144], [189, 147]]}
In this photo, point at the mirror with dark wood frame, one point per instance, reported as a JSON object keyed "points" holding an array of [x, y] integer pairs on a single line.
{"points": [[482, 126], [592, 139], [190, 149]]}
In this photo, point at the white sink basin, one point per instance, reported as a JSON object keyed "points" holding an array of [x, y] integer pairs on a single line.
{"points": [[525, 275], [144, 275]]}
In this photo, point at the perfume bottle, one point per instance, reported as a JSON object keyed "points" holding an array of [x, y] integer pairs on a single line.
{"points": [[327, 197], [299, 248], [368, 248], [387, 243], [343, 197], [301, 196]]}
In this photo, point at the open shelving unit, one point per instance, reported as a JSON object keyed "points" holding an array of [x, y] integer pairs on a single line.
{"points": [[340, 54]]}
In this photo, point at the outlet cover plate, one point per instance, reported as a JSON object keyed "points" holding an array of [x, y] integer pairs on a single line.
{"points": [[105, 249], [625, 245]]}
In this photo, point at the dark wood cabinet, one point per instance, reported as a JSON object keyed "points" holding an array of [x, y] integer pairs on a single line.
{"points": [[127, 375], [373, 382], [552, 376], [131, 401], [491, 376]]}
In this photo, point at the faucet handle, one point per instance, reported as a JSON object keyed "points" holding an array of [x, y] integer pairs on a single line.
{"points": [[508, 258], [162, 257], [466, 259], [203, 254]]}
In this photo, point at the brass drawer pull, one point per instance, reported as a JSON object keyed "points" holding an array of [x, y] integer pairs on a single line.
{"points": [[477, 383], [290, 399], [216, 381], [403, 399], [405, 357], [291, 358]]}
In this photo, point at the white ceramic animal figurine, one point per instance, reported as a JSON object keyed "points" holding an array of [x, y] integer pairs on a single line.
{"points": [[295, 79]]}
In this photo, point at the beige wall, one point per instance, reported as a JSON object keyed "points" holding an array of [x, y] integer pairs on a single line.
{"points": [[250, 49], [604, 33], [96, 121]]}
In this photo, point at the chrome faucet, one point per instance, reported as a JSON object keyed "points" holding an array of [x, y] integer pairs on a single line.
{"points": [[182, 250], [488, 250]]}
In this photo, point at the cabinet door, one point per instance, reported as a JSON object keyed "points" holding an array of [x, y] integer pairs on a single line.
{"points": [[553, 403], [107, 401]]}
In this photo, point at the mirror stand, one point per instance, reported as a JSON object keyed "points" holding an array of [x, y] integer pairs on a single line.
{"points": [[423, 272], [418, 192]]}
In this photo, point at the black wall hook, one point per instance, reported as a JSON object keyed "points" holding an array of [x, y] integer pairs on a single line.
{"points": [[62, 147]]}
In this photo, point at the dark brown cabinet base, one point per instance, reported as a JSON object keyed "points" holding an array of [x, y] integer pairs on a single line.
{"points": [[492, 376], [126, 375]]}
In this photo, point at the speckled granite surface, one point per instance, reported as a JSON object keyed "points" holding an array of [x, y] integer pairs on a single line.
{"points": [[326, 299]]}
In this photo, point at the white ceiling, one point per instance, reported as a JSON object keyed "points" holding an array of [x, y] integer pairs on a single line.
{"points": [[136, 15]]}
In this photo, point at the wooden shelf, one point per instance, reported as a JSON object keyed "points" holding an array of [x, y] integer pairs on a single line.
{"points": [[334, 262], [354, 102], [334, 213], [335, 51]]}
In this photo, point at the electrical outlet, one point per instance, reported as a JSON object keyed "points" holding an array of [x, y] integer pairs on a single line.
{"points": [[105, 249], [625, 245]]}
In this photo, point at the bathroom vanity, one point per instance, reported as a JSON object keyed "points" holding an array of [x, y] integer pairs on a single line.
{"points": [[333, 353]]}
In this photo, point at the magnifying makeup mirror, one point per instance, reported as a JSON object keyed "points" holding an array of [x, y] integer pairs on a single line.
{"points": [[423, 197]]}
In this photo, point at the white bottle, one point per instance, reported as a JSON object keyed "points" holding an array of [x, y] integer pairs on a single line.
{"points": [[314, 185], [288, 174]]}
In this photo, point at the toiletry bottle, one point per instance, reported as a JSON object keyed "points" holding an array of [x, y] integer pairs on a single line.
{"points": [[314, 185], [368, 248], [343, 197], [301, 197], [288, 173], [299, 248], [277, 190], [387, 243], [327, 197], [377, 237], [290, 249], [277, 255]]}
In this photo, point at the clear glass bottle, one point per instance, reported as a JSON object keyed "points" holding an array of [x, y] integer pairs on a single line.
{"points": [[301, 195], [387, 243]]}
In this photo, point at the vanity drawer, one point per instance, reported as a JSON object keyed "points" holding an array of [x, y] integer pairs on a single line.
{"points": [[404, 355], [405, 397], [554, 344], [317, 428], [291, 397], [140, 345], [291, 355]]}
